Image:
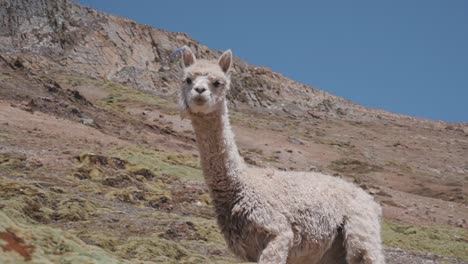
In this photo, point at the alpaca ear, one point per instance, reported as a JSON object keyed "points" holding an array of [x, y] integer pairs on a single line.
{"points": [[188, 57], [225, 61]]}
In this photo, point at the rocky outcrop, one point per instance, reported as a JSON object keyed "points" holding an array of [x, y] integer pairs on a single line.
{"points": [[78, 38]]}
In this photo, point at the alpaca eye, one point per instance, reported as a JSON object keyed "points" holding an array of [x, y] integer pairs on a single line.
{"points": [[216, 84], [188, 81]]}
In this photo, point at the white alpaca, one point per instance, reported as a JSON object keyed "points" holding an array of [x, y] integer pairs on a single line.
{"points": [[267, 215]]}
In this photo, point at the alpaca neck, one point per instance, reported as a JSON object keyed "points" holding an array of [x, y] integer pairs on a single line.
{"points": [[220, 159]]}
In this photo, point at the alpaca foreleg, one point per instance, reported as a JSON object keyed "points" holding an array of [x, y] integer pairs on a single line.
{"points": [[362, 241], [277, 250]]}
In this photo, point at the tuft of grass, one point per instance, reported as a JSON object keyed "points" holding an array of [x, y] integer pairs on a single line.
{"points": [[4, 137], [162, 163], [440, 240], [336, 143], [13, 161], [5, 77], [155, 249], [120, 95], [346, 165], [400, 166], [182, 159], [194, 242], [31, 203]]}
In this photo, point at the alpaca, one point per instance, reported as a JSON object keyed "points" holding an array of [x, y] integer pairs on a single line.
{"points": [[265, 215]]}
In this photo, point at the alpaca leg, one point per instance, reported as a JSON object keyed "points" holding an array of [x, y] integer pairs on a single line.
{"points": [[277, 250], [362, 240]]}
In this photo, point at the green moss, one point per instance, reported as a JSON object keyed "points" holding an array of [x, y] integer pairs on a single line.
{"points": [[162, 163], [75, 209], [40, 244], [200, 243], [76, 80], [182, 159], [153, 249], [440, 240], [31, 203], [128, 195], [120, 95]]}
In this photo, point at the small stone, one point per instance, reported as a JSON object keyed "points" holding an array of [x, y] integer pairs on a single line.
{"points": [[460, 223], [295, 140], [87, 121]]}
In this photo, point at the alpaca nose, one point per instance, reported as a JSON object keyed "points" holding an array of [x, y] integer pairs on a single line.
{"points": [[200, 89]]}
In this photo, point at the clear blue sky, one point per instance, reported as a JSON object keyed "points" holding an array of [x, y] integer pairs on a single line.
{"points": [[404, 56]]}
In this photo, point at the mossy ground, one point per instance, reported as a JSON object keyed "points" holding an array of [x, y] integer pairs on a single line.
{"points": [[153, 228], [35, 243], [183, 166], [139, 202], [440, 240], [120, 95]]}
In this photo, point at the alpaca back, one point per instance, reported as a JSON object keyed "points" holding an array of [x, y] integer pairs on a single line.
{"points": [[313, 204]]}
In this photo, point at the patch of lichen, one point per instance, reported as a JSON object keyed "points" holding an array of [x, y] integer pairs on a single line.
{"points": [[440, 240], [35, 243]]}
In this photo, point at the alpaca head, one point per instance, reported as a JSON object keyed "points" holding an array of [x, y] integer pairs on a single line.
{"points": [[205, 83]]}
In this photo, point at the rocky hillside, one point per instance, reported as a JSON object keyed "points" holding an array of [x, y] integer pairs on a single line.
{"points": [[96, 166], [64, 34]]}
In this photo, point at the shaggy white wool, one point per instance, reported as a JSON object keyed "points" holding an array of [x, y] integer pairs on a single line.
{"points": [[267, 215]]}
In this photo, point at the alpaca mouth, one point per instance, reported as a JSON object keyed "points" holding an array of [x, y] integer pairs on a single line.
{"points": [[199, 100]]}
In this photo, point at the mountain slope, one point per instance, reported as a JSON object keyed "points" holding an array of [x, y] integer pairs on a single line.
{"points": [[92, 147]]}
